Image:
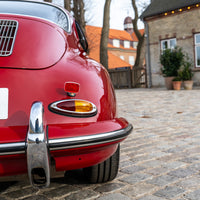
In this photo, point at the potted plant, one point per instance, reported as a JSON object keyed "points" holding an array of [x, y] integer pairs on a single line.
{"points": [[186, 74], [171, 60], [177, 83]]}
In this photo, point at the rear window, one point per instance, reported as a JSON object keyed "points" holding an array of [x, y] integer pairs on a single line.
{"points": [[36, 9]]}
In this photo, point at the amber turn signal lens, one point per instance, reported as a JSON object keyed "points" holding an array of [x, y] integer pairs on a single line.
{"points": [[74, 107]]}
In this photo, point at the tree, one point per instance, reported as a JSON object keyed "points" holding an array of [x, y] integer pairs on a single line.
{"points": [[79, 13], [67, 5], [104, 35], [77, 6], [140, 48]]}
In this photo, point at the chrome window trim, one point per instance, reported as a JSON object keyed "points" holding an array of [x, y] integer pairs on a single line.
{"points": [[69, 30]]}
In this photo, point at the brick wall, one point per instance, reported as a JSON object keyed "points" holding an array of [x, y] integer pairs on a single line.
{"points": [[181, 26]]}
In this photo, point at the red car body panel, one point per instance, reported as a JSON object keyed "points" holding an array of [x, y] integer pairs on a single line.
{"points": [[44, 58], [35, 36]]}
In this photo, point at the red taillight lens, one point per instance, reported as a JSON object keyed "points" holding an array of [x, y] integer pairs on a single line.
{"points": [[71, 87], [67, 105], [74, 107]]}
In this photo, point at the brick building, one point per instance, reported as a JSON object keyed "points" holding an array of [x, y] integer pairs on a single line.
{"points": [[168, 24]]}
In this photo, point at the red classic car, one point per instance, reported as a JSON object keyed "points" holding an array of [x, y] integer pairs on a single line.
{"points": [[57, 106]]}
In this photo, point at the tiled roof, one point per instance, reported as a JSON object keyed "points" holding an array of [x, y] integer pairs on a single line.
{"points": [[94, 35], [118, 34], [113, 34], [161, 6]]}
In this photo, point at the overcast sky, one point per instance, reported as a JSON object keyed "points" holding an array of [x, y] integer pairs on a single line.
{"points": [[119, 10]]}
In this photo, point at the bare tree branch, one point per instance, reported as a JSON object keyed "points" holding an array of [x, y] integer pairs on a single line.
{"points": [[104, 35], [140, 48], [79, 13]]}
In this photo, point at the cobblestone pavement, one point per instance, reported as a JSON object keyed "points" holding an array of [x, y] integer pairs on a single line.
{"points": [[160, 160]]}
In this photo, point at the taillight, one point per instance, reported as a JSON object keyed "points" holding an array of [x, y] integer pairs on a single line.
{"points": [[74, 108]]}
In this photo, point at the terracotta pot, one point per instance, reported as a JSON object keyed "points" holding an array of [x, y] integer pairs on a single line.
{"points": [[177, 85], [188, 85], [168, 82]]}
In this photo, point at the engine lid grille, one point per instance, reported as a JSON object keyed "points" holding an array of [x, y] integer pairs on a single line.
{"points": [[8, 31]]}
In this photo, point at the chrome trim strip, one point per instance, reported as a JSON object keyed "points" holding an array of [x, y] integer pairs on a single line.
{"points": [[73, 142], [12, 148], [89, 140]]}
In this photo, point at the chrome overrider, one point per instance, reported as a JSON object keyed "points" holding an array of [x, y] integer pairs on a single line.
{"points": [[37, 150]]}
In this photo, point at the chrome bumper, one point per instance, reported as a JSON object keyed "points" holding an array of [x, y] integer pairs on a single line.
{"points": [[37, 145]]}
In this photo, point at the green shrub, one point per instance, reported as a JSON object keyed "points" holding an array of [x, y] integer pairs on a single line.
{"points": [[185, 72], [171, 60]]}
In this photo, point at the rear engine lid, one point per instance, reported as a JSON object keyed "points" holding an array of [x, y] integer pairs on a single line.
{"points": [[29, 43]]}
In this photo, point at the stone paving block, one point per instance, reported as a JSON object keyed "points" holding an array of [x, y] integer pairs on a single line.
{"points": [[193, 195], [162, 180], [139, 189], [37, 197], [82, 195], [195, 166], [151, 198], [125, 163], [135, 178], [109, 187], [115, 196], [169, 192], [132, 169], [190, 159], [182, 172], [157, 171], [171, 165], [60, 191], [192, 182], [152, 164], [2, 198]]}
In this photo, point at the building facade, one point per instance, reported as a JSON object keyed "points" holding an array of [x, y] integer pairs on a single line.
{"points": [[169, 24]]}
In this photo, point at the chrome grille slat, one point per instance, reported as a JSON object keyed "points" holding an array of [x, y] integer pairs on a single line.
{"points": [[8, 31]]}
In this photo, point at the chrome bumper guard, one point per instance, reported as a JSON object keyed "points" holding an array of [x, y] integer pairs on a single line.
{"points": [[37, 150]]}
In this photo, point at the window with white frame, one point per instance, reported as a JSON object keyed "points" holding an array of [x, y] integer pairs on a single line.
{"points": [[126, 44], [168, 44], [116, 43], [135, 44], [197, 49], [122, 57], [131, 60]]}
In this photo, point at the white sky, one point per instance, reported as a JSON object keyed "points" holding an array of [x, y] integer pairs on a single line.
{"points": [[119, 10]]}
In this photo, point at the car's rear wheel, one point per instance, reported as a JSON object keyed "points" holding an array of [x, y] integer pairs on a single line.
{"points": [[105, 171]]}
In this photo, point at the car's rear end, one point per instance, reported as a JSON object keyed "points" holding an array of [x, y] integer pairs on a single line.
{"points": [[57, 107]]}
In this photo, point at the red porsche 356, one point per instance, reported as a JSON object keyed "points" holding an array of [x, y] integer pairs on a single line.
{"points": [[57, 106]]}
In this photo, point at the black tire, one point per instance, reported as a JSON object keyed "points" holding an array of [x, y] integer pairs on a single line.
{"points": [[105, 171]]}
